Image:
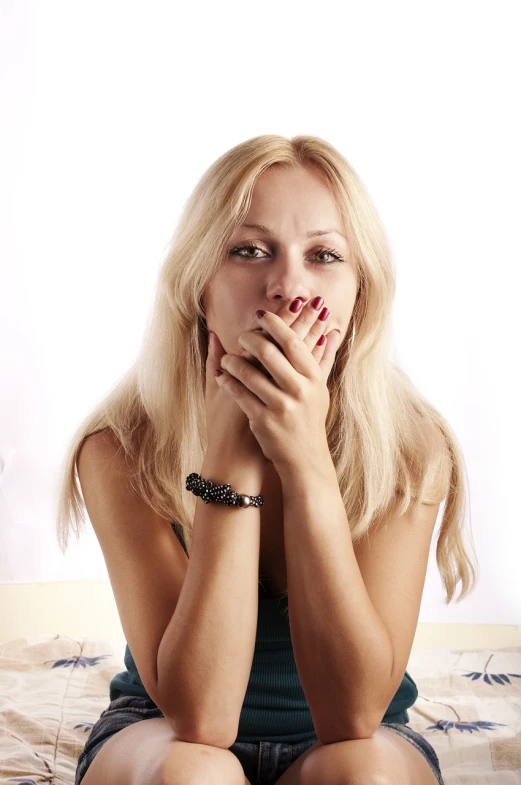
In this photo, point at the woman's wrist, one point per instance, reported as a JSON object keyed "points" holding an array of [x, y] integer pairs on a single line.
{"points": [[221, 493], [222, 469]]}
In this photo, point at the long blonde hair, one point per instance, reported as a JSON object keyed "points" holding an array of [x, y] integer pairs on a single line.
{"points": [[385, 439]]}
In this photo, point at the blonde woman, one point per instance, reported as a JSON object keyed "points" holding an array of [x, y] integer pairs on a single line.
{"points": [[269, 622]]}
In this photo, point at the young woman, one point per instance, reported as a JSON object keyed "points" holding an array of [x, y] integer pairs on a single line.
{"points": [[269, 621]]}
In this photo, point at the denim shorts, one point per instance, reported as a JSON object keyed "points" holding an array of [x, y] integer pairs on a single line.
{"points": [[263, 762]]}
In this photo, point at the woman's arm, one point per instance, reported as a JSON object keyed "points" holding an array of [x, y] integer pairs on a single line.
{"points": [[206, 653]]}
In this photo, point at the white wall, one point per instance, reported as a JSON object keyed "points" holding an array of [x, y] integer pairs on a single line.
{"points": [[112, 111]]}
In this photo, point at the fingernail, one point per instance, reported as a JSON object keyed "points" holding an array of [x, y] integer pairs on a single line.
{"points": [[296, 305], [324, 313]]}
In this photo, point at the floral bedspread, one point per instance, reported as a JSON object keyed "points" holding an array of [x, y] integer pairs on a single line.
{"points": [[53, 689]]}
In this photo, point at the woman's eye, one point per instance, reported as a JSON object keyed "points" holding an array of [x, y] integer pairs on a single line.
{"points": [[321, 252], [235, 251]]}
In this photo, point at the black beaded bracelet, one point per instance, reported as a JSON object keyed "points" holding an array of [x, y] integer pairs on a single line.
{"points": [[223, 494]]}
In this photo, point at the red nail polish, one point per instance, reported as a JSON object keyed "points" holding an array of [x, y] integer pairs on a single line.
{"points": [[296, 305], [324, 313], [259, 314], [321, 340]]}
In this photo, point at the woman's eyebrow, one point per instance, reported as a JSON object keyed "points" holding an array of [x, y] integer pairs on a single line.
{"points": [[269, 233]]}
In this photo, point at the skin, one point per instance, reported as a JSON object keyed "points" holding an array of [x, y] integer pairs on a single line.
{"points": [[286, 266]]}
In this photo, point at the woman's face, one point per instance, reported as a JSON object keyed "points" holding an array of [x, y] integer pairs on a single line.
{"points": [[287, 264]]}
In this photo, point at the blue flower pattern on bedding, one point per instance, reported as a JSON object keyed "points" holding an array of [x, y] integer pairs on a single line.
{"points": [[476, 697]]}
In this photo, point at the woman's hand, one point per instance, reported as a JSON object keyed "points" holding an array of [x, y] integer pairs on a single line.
{"points": [[229, 433], [287, 412]]}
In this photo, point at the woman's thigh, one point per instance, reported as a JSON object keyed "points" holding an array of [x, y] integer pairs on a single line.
{"points": [[133, 744]]}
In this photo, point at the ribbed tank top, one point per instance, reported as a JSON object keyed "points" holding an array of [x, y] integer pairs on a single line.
{"points": [[274, 706]]}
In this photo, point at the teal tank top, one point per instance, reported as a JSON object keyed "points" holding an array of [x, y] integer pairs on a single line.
{"points": [[274, 707]]}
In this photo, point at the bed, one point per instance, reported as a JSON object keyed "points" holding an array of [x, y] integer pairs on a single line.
{"points": [[54, 684]]}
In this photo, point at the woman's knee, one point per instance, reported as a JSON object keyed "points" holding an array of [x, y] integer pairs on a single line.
{"points": [[147, 752], [187, 763]]}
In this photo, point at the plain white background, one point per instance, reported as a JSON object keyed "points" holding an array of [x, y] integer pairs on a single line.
{"points": [[111, 113]]}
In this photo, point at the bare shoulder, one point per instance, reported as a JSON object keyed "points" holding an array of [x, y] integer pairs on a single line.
{"points": [[428, 457], [103, 445]]}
